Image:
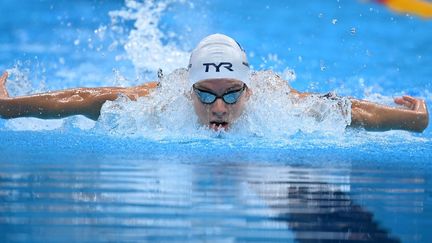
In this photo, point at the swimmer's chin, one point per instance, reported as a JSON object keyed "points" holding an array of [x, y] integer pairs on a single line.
{"points": [[219, 126]]}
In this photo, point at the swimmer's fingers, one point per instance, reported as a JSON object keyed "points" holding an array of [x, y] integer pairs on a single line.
{"points": [[3, 91], [416, 103], [411, 103], [3, 78], [402, 101]]}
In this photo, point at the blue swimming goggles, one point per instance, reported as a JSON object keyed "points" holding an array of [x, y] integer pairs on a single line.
{"points": [[230, 97]]}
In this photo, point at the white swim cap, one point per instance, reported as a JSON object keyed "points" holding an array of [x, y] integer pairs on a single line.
{"points": [[218, 56]]}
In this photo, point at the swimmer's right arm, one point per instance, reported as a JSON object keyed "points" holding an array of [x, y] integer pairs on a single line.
{"points": [[63, 103]]}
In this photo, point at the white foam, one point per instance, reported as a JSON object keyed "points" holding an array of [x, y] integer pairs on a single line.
{"points": [[272, 112], [166, 113]]}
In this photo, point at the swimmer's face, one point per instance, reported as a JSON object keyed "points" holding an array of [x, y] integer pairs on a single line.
{"points": [[220, 115]]}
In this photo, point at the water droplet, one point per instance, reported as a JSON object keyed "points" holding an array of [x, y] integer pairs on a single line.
{"points": [[289, 74], [334, 21], [322, 66], [368, 53]]}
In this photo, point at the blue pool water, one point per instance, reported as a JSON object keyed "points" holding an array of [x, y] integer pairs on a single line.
{"points": [[146, 172]]}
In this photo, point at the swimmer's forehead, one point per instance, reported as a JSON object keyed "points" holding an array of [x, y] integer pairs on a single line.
{"points": [[211, 84]]}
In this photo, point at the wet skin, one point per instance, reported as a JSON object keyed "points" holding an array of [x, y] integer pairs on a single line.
{"points": [[220, 115]]}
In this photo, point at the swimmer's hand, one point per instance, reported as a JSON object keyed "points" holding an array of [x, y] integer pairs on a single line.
{"points": [[418, 110], [412, 103], [412, 117], [3, 91]]}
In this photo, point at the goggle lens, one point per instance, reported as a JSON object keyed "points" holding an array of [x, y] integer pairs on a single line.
{"points": [[209, 98]]}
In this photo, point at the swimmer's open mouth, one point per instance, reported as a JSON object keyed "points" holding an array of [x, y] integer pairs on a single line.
{"points": [[217, 125]]}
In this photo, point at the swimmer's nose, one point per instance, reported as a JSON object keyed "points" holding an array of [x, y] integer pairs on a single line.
{"points": [[219, 108]]}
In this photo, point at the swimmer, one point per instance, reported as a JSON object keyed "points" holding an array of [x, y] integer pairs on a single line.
{"points": [[220, 88]]}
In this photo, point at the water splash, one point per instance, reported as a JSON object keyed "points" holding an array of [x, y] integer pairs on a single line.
{"points": [[144, 45], [275, 111], [26, 77], [166, 113], [272, 112]]}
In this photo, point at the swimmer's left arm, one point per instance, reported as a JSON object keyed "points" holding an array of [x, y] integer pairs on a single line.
{"points": [[371, 116]]}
